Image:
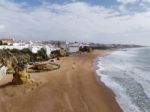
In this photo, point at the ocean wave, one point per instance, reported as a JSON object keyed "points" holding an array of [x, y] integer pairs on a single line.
{"points": [[128, 78]]}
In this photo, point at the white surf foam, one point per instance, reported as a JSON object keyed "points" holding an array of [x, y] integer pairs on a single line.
{"points": [[121, 96], [109, 69]]}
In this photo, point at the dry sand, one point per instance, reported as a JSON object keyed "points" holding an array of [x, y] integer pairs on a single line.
{"points": [[72, 88]]}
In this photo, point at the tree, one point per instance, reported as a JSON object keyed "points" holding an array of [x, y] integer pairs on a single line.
{"points": [[42, 53], [56, 53], [1, 43], [85, 49], [26, 50]]}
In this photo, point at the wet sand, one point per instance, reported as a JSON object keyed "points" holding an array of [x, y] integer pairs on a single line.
{"points": [[72, 88]]}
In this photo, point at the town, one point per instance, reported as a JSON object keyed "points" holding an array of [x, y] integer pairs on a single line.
{"points": [[23, 57], [34, 47], [49, 46], [22, 54]]}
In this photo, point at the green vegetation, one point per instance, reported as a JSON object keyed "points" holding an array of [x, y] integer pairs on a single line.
{"points": [[1, 43], [85, 49], [55, 53], [14, 57], [24, 55], [42, 55], [58, 53]]}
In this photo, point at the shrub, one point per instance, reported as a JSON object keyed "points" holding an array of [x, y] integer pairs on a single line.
{"points": [[85, 49]]}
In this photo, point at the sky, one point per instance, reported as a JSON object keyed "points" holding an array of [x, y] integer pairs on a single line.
{"points": [[100, 21]]}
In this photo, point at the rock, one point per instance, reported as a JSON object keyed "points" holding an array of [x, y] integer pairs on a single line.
{"points": [[21, 77]]}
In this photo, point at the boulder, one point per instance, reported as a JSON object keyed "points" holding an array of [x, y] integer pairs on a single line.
{"points": [[21, 76]]}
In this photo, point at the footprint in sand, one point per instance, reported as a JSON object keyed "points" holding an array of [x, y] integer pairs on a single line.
{"points": [[74, 65]]}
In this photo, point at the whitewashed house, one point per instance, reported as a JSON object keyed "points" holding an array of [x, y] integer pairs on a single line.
{"points": [[49, 49], [15, 46], [34, 49], [73, 47]]}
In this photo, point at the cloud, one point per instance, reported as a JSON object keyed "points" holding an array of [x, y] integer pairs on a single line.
{"points": [[128, 1], [75, 21], [2, 27], [132, 6], [147, 1]]}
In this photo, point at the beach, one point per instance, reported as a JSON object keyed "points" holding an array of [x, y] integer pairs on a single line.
{"points": [[72, 88]]}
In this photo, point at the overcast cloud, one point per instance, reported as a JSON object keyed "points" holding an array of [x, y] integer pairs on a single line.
{"points": [[75, 21]]}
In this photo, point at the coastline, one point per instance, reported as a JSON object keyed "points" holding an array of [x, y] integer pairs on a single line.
{"points": [[72, 88], [109, 91], [102, 84]]}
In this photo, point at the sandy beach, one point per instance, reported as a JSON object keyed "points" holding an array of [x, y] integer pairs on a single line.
{"points": [[72, 88]]}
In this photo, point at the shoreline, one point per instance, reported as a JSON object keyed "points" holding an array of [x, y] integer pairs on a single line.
{"points": [[100, 82], [72, 88]]}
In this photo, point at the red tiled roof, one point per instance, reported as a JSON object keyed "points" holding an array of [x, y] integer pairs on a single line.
{"points": [[7, 39]]}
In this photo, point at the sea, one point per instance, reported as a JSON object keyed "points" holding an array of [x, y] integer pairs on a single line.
{"points": [[127, 73]]}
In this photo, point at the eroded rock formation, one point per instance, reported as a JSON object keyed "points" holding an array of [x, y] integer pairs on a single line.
{"points": [[21, 76]]}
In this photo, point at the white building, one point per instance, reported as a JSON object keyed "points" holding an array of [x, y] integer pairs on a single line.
{"points": [[33, 48], [49, 49], [19, 47], [73, 47]]}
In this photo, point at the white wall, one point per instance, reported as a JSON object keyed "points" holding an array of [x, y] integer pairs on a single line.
{"points": [[73, 49], [2, 72]]}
